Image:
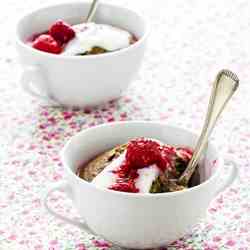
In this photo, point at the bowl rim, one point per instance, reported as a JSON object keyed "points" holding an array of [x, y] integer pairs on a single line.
{"points": [[25, 46], [71, 173]]}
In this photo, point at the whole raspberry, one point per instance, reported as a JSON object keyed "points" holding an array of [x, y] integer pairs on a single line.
{"points": [[142, 152], [47, 43], [61, 31]]}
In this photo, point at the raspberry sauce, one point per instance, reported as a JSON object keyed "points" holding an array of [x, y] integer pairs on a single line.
{"points": [[141, 153]]}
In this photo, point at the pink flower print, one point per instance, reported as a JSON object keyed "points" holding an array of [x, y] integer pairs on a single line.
{"points": [[18, 178], [67, 115], [219, 199], [53, 242], [230, 243], [210, 247], [32, 233], [212, 210], [163, 116], [110, 119], [209, 227], [233, 190], [54, 245], [32, 172], [29, 224], [46, 138], [25, 212], [101, 243], [87, 110], [52, 120], [127, 99], [11, 196], [57, 177], [3, 205], [214, 162], [123, 115], [217, 238], [37, 203], [237, 216], [12, 237], [38, 247], [15, 162], [243, 230], [231, 151], [163, 248], [45, 113], [178, 243], [80, 247], [73, 125], [43, 126], [56, 159], [20, 146]]}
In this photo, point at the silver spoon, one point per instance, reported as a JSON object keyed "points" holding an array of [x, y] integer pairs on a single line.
{"points": [[92, 10], [224, 87]]}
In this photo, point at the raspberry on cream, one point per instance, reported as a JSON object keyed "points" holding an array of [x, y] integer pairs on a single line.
{"points": [[142, 183], [81, 39], [138, 167], [142, 165]]}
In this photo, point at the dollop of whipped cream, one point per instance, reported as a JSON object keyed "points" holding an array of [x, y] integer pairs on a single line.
{"points": [[89, 35], [143, 182]]}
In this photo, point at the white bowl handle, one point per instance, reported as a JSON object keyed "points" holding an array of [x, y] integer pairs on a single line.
{"points": [[233, 174], [32, 81], [64, 187]]}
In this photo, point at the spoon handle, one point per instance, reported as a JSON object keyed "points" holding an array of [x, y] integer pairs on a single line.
{"points": [[224, 87], [92, 11]]}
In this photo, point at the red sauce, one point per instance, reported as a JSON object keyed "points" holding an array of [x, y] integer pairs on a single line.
{"points": [[141, 153]]}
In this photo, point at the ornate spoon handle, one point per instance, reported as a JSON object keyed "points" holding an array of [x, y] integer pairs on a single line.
{"points": [[224, 87]]}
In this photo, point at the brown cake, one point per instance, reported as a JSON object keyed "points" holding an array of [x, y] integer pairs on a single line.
{"points": [[89, 171], [99, 50]]}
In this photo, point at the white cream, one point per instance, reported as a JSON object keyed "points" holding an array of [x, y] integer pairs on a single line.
{"points": [[89, 35], [146, 177], [107, 178]]}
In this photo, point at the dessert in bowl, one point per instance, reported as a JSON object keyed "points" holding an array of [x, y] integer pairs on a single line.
{"points": [[137, 220], [81, 39], [74, 73], [142, 165]]}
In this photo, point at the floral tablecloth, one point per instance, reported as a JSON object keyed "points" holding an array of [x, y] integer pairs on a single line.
{"points": [[190, 41]]}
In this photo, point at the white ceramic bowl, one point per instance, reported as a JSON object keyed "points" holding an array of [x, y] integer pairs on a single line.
{"points": [[137, 220], [79, 80]]}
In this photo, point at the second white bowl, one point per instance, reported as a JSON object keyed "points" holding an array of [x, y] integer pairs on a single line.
{"points": [[79, 80]]}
